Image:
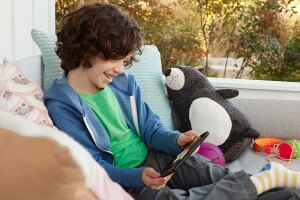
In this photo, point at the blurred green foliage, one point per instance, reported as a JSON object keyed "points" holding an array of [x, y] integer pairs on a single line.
{"points": [[185, 31], [292, 59], [174, 35]]}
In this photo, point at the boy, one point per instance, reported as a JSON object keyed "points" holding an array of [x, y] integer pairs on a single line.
{"points": [[100, 106]]}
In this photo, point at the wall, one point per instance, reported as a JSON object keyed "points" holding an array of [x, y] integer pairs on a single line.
{"points": [[17, 18]]}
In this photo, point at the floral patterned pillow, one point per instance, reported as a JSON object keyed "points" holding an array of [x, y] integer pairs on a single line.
{"points": [[20, 96]]}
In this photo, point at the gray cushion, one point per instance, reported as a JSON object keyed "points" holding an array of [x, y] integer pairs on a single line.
{"points": [[272, 118], [252, 162]]}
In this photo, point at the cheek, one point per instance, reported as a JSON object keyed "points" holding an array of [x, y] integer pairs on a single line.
{"points": [[94, 73], [92, 76]]}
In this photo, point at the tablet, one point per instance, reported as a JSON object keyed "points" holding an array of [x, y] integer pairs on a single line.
{"points": [[181, 158]]}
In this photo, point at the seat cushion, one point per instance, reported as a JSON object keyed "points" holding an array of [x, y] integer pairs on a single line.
{"points": [[252, 162], [272, 118]]}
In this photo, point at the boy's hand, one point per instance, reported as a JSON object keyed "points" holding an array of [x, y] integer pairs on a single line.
{"points": [[186, 138], [152, 179]]}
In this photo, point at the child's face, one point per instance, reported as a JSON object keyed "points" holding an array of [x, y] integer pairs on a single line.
{"points": [[102, 72]]}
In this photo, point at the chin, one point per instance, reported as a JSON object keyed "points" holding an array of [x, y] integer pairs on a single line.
{"points": [[102, 86]]}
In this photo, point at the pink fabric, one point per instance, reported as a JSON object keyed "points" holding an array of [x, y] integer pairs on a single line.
{"points": [[20, 96], [103, 187]]}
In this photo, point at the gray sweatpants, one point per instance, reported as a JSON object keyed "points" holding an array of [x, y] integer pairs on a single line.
{"points": [[198, 179]]}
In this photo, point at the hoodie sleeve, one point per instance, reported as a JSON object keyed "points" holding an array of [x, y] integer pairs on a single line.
{"points": [[70, 121], [153, 132]]}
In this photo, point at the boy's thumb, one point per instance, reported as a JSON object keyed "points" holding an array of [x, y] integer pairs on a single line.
{"points": [[188, 138]]}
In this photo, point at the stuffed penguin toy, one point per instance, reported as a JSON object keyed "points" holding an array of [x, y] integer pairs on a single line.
{"points": [[201, 108]]}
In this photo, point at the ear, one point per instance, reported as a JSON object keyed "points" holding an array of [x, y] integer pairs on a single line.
{"points": [[228, 93]]}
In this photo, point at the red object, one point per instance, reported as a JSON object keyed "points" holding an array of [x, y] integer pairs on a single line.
{"points": [[285, 150], [268, 150]]}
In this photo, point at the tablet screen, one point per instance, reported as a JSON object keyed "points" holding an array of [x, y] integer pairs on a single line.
{"points": [[174, 164]]}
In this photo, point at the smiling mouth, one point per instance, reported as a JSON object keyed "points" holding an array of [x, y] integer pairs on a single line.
{"points": [[108, 76]]}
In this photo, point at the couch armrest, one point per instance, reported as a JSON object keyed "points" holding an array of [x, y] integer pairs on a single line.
{"points": [[33, 67]]}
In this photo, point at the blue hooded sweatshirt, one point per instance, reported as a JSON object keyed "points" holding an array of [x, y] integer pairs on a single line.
{"points": [[73, 116]]}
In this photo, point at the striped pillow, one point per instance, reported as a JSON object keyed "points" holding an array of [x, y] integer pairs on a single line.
{"points": [[148, 74], [46, 44]]}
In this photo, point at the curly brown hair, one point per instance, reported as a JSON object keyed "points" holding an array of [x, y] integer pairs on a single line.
{"points": [[97, 30]]}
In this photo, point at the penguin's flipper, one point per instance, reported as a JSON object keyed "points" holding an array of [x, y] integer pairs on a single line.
{"points": [[228, 93]]}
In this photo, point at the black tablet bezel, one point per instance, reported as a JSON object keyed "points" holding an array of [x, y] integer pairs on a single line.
{"points": [[175, 163]]}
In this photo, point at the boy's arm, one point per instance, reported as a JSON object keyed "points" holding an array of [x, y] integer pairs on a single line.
{"points": [[153, 132], [71, 122]]}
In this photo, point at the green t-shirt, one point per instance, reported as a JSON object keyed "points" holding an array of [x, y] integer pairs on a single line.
{"points": [[128, 148]]}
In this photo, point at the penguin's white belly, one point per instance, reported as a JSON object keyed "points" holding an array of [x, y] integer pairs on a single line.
{"points": [[207, 115]]}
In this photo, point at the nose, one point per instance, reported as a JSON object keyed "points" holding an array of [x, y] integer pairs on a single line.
{"points": [[168, 72]]}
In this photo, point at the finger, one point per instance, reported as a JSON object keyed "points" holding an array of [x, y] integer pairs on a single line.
{"points": [[196, 150], [156, 186], [187, 138], [153, 174], [192, 133], [166, 179], [158, 182], [183, 140], [170, 176], [163, 180]]}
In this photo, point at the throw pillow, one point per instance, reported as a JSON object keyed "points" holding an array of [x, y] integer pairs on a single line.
{"points": [[46, 44], [20, 96], [41, 163], [148, 74]]}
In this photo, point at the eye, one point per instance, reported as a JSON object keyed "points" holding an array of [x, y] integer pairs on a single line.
{"points": [[127, 63]]}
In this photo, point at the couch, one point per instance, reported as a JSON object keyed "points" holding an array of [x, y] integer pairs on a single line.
{"points": [[272, 118]]}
